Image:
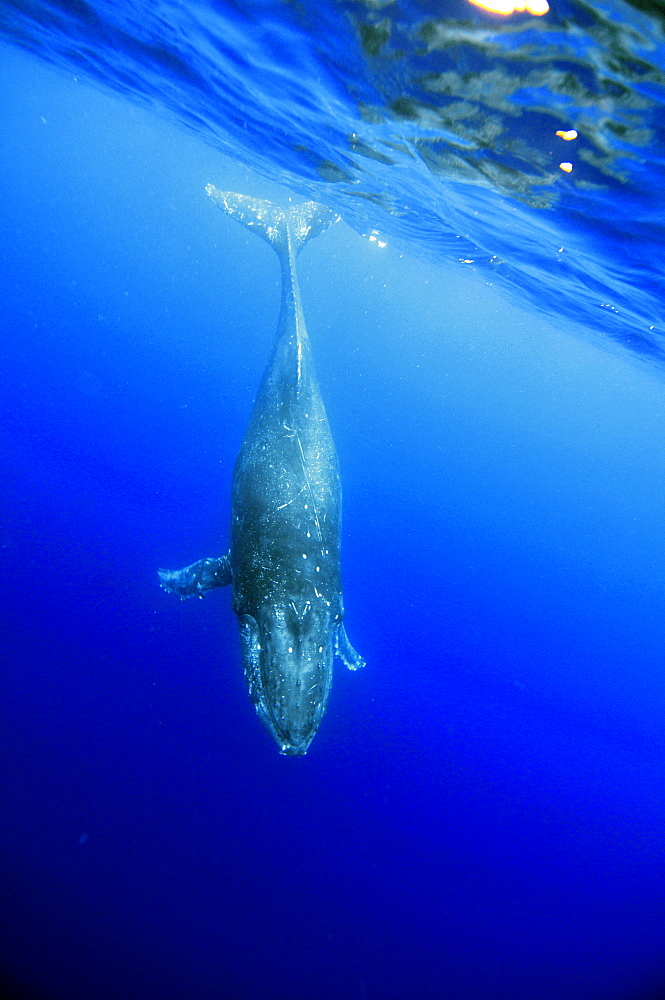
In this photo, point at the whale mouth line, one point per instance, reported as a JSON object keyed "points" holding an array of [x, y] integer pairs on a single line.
{"points": [[290, 745], [294, 750]]}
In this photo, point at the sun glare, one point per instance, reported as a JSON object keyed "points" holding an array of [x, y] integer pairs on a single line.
{"points": [[506, 7]]}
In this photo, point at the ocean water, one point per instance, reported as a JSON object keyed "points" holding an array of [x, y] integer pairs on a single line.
{"points": [[481, 813]]}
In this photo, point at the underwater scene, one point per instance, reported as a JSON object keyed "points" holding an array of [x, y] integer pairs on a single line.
{"points": [[332, 518]]}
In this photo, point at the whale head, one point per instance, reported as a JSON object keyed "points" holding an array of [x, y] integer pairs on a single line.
{"points": [[288, 661]]}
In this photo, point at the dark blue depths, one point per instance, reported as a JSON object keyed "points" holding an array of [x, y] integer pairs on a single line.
{"points": [[481, 812]]}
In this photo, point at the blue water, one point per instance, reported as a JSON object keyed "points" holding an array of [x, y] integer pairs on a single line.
{"points": [[481, 813]]}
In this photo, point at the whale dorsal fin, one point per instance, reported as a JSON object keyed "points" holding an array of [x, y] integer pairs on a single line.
{"points": [[301, 222]]}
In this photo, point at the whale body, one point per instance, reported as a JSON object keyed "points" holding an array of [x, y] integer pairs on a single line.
{"points": [[284, 557]]}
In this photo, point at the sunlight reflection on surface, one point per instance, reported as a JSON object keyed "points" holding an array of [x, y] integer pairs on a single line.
{"points": [[535, 7]]}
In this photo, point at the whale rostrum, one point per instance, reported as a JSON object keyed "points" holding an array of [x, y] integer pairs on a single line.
{"points": [[284, 558]]}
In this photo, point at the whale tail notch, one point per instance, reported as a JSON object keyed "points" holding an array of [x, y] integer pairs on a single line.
{"points": [[282, 228]]}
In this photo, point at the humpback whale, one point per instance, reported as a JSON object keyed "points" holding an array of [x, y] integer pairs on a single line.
{"points": [[284, 558]]}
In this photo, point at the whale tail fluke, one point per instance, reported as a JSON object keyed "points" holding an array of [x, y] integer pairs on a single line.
{"points": [[282, 228]]}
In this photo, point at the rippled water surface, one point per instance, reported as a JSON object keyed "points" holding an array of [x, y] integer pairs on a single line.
{"points": [[432, 123]]}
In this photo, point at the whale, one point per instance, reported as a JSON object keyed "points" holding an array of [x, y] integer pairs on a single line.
{"points": [[283, 562]]}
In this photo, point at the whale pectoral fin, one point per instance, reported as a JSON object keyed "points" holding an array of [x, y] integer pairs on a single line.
{"points": [[345, 650], [194, 580]]}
